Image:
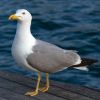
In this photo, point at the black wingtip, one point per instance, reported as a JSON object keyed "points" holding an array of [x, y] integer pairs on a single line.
{"points": [[85, 62]]}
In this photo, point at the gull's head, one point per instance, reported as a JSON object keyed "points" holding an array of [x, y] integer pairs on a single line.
{"points": [[21, 15]]}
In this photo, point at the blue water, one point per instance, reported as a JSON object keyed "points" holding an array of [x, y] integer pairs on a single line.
{"points": [[70, 24]]}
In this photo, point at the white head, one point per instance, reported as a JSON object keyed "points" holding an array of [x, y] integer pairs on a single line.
{"points": [[21, 15]]}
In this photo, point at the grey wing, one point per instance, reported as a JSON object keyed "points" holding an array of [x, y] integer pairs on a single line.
{"points": [[49, 58]]}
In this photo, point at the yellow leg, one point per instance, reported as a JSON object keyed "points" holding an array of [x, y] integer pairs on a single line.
{"points": [[35, 92], [44, 89]]}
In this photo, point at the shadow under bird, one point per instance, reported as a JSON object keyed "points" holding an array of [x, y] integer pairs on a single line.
{"points": [[41, 56]]}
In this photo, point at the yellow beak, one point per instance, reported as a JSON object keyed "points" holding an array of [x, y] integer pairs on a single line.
{"points": [[13, 17]]}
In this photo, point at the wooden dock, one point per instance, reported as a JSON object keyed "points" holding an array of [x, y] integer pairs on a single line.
{"points": [[13, 86]]}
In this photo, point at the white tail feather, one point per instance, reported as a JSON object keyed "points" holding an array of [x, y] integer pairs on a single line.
{"points": [[82, 68]]}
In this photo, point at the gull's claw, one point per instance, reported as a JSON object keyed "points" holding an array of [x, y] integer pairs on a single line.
{"points": [[32, 93], [43, 89]]}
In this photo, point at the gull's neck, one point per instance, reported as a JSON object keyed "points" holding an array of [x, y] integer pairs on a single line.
{"points": [[23, 27], [23, 32]]}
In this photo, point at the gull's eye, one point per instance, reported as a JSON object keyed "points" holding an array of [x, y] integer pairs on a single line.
{"points": [[23, 13]]}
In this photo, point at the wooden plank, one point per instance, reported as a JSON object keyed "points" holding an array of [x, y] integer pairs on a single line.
{"points": [[8, 95], [85, 91], [17, 78], [26, 82], [2, 98], [67, 94], [46, 96], [66, 91], [21, 89]]}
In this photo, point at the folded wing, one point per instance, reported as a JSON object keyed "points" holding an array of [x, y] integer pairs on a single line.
{"points": [[49, 58]]}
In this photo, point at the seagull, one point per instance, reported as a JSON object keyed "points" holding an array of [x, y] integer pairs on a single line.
{"points": [[41, 56]]}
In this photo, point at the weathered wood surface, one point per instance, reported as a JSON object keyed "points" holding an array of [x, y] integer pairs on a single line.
{"points": [[13, 86]]}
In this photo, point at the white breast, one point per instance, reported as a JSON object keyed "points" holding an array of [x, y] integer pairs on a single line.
{"points": [[21, 48]]}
